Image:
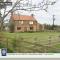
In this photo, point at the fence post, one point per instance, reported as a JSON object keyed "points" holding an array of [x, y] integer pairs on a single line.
{"points": [[34, 46], [20, 41], [49, 43], [14, 44], [7, 43], [59, 38]]}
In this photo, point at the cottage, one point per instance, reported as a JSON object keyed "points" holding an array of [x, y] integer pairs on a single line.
{"points": [[24, 23]]}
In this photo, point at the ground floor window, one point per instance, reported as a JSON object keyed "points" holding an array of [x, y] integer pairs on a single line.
{"points": [[31, 28], [18, 28]]}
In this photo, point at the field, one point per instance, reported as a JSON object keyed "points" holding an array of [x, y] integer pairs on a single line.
{"points": [[33, 42]]}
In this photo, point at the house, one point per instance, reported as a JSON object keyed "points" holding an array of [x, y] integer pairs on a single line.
{"points": [[24, 23]]}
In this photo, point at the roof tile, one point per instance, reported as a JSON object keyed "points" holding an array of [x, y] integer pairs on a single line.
{"points": [[22, 17]]}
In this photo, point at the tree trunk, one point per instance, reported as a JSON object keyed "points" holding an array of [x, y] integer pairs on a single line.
{"points": [[1, 24]]}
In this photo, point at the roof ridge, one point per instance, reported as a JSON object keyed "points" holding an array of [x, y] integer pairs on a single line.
{"points": [[22, 17]]}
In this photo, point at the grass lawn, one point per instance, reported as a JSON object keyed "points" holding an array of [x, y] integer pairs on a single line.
{"points": [[36, 37]]}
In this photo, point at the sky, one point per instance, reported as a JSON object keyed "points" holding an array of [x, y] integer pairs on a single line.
{"points": [[44, 17]]}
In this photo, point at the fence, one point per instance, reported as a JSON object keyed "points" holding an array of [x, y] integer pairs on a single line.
{"points": [[19, 45]]}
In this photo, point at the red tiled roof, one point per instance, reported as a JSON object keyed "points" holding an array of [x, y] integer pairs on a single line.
{"points": [[22, 17]]}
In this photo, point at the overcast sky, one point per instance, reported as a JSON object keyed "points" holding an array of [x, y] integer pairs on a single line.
{"points": [[45, 17]]}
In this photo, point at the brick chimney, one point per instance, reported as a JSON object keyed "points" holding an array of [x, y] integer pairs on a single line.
{"points": [[32, 15]]}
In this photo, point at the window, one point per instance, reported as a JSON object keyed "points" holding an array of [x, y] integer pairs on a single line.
{"points": [[18, 28], [16, 21], [31, 28], [31, 22], [20, 22]]}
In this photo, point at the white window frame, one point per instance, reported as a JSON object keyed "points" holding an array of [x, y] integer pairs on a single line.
{"points": [[21, 22], [30, 22]]}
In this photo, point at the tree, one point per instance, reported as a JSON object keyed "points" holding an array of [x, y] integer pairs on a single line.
{"points": [[11, 27]]}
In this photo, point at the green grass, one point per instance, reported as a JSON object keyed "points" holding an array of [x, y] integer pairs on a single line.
{"points": [[15, 39], [40, 37]]}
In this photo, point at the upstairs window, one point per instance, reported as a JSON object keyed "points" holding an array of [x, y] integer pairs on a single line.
{"points": [[20, 22], [16, 21], [31, 22]]}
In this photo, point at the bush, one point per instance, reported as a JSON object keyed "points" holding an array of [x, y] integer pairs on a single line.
{"points": [[11, 26]]}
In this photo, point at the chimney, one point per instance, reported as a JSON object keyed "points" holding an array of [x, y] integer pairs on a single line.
{"points": [[32, 15]]}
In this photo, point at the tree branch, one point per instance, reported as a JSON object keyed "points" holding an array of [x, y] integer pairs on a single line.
{"points": [[11, 9]]}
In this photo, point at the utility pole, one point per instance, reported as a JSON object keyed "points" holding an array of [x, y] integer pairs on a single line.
{"points": [[53, 22]]}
